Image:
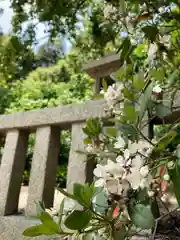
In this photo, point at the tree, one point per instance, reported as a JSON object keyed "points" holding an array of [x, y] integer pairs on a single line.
{"points": [[62, 83], [48, 54], [16, 59]]}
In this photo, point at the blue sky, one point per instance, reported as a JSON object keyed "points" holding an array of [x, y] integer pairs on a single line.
{"points": [[5, 23], [5, 19]]}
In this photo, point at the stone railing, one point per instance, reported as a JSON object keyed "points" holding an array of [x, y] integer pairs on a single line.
{"points": [[47, 124]]}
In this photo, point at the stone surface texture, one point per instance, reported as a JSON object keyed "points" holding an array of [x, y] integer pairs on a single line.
{"points": [[43, 170], [11, 170], [104, 66], [63, 116]]}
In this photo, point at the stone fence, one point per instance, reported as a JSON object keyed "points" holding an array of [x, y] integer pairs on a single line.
{"points": [[47, 125]]}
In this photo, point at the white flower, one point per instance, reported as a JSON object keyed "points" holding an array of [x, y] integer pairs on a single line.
{"points": [[140, 146], [133, 147], [89, 148], [124, 160], [145, 148], [120, 159], [152, 51], [120, 144], [157, 89], [126, 154], [150, 193], [134, 177], [162, 9], [113, 94], [144, 171], [117, 187], [114, 169], [100, 171], [114, 187], [164, 198], [170, 164]]}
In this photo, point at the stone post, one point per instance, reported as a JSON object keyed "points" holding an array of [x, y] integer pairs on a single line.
{"points": [[11, 170], [79, 169], [97, 86], [43, 169]]}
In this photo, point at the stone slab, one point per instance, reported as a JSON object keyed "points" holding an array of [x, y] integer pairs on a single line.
{"points": [[63, 116], [104, 66], [12, 227]]}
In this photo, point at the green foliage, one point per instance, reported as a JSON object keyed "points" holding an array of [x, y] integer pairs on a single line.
{"points": [[16, 59], [84, 193], [48, 227], [93, 127], [78, 220], [141, 215]]}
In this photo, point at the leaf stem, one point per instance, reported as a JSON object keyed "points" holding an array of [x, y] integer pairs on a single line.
{"points": [[145, 138]]}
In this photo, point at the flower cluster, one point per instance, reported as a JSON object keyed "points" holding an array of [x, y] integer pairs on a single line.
{"points": [[128, 171], [113, 95]]}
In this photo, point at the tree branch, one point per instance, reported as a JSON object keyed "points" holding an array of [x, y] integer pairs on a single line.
{"points": [[171, 118]]}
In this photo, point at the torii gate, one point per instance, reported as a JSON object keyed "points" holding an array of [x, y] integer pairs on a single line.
{"points": [[103, 67]]}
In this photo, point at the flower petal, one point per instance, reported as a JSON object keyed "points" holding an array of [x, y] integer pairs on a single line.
{"points": [[126, 154]]}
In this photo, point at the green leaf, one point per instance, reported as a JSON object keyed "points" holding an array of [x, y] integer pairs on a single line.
{"points": [[93, 127], [127, 49], [138, 81], [172, 78], [141, 50], [166, 140], [87, 141], [128, 94], [174, 174], [162, 110], [40, 207], [128, 131], [178, 151], [141, 215], [38, 231], [118, 75], [158, 74], [141, 195], [150, 32], [129, 112], [144, 100], [100, 201], [110, 131], [120, 234], [48, 221], [61, 211], [83, 193], [78, 220]]}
